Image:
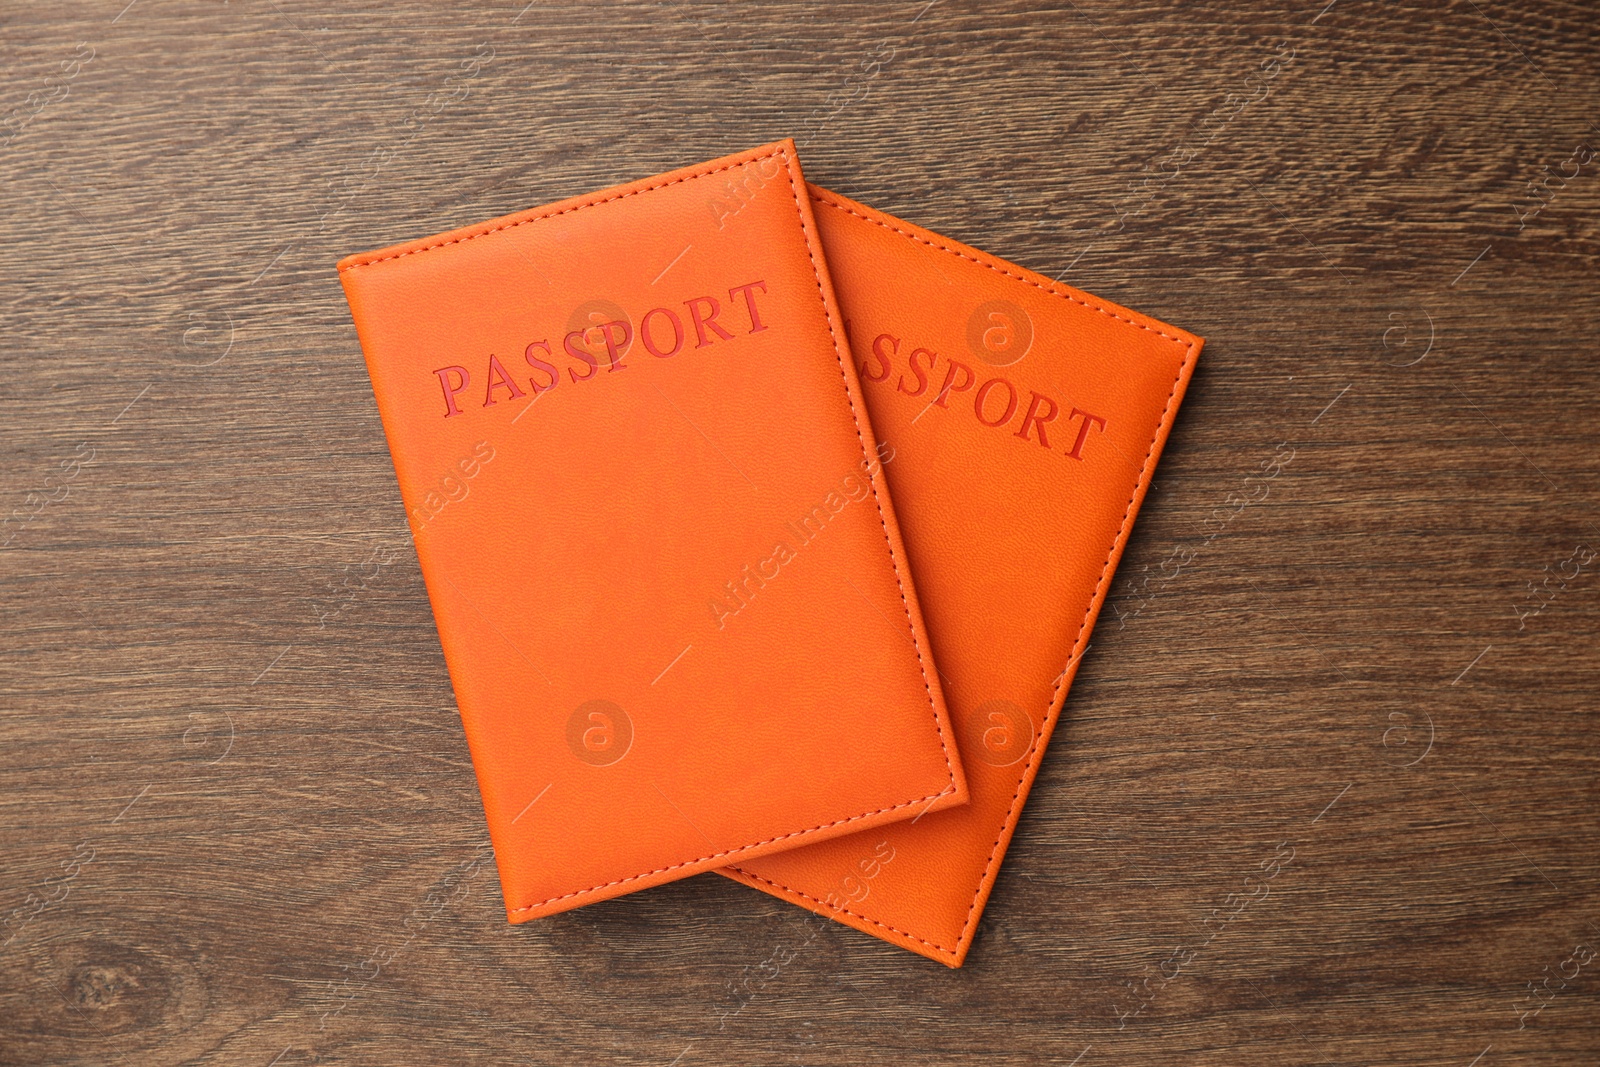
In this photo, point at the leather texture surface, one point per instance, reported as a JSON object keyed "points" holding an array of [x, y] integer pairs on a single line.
{"points": [[1025, 419], [654, 528]]}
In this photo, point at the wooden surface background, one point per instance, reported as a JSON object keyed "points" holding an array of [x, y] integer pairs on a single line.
{"points": [[1326, 789]]}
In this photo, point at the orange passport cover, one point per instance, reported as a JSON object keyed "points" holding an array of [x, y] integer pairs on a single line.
{"points": [[652, 520], [1025, 419]]}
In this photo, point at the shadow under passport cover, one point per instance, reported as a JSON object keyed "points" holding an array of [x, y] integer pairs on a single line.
{"points": [[1025, 419], [653, 525]]}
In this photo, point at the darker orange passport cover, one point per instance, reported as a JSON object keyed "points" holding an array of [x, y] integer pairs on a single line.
{"points": [[652, 521], [1025, 419]]}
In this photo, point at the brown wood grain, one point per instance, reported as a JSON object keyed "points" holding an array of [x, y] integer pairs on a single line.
{"points": [[1326, 789]]}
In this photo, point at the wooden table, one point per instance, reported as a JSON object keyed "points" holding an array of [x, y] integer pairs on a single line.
{"points": [[1326, 790]]}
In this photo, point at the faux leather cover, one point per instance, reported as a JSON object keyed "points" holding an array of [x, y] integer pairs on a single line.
{"points": [[653, 525], [1025, 419]]}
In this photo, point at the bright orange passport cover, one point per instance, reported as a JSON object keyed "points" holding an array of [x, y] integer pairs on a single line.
{"points": [[652, 520], [1023, 420]]}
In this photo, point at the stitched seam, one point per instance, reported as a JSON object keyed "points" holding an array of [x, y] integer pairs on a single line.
{"points": [[998, 270], [894, 561], [733, 851], [567, 210], [1053, 711], [883, 523], [845, 911], [1058, 696]]}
